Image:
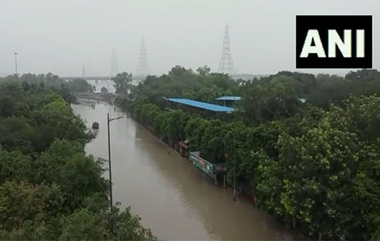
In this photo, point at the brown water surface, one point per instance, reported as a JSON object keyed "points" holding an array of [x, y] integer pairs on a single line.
{"points": [[167, 191]]}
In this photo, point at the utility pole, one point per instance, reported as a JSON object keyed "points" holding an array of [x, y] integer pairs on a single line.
{"points": [[109, 155], [83, 71], [234, 164], [113, 64], [16, 63]]}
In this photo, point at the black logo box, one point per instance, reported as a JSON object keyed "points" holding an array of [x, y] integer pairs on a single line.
{"points": [[323, 23]]}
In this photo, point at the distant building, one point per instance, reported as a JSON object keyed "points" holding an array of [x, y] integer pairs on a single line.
{"points": [[228, 100]]}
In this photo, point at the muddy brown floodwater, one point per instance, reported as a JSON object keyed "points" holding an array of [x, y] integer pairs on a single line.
{"points": [[167, 191]]}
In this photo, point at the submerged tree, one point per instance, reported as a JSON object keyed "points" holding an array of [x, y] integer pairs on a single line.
{"points": [[122, 82]]}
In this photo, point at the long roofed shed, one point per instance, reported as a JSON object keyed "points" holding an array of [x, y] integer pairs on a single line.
{"points": [[201, 105]]}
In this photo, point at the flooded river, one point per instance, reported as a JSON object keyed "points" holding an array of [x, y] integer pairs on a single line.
{"points": [[167, 191]]}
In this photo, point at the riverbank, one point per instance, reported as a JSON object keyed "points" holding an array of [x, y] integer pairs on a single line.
{"points": [[173, 147], [242, 190], [167, 191], [303, 159]]}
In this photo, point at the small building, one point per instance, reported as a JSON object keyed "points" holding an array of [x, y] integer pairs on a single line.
{"points": [[228, 100]]}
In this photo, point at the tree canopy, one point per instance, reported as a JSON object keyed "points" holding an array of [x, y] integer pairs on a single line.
{"points": [[79, 85], [122, 83], [50, 189], [310, 164], [313, 165]]}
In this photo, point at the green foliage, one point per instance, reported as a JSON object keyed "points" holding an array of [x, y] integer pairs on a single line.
{"points": [[80, 226], [21, 202], [184, 83], [49, 188], [78, 85], [38, 117], [14, 166], [66, 164], [104, 90], [270, 100], [205, 70], [122, 82], [314, 165]]}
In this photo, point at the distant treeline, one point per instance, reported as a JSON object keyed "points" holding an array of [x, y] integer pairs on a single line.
{"points": [[50, 80]]}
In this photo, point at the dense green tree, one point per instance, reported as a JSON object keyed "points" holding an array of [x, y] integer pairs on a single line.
{"points": [[21, 202], [205, 70], [266, 101], [78, 85], [104, 90], [122, 82], [180, 71], [66, 163], [182, 82], [14, 166], [49, 188]]}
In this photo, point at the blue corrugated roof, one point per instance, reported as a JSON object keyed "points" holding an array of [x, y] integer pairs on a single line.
{"points": [[229, 98], [201, 105]]}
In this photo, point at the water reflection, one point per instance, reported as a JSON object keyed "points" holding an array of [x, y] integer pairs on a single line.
{"points": [[95, 132], [167, 191]]}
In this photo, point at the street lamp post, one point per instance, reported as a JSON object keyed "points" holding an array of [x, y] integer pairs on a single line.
{"points": [[234, 164], [16, 63], [109, 154]]}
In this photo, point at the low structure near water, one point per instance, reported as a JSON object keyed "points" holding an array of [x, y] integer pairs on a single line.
{"points": [[183, 149], [217, 172]]}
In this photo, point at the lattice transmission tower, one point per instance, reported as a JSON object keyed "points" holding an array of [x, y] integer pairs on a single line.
{"points": [[226, 65], [113, 64], [143, 67], [83, 71]]}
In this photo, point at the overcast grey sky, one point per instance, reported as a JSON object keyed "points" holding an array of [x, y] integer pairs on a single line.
{"points": [[60, 36]]}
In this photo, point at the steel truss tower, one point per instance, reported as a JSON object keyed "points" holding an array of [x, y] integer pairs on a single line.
{"points": [[83, 71], [113, 64], [226, 64], [143, 67]]}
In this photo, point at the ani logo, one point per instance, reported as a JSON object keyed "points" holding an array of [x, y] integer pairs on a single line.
{"points": [[333, 42]]}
